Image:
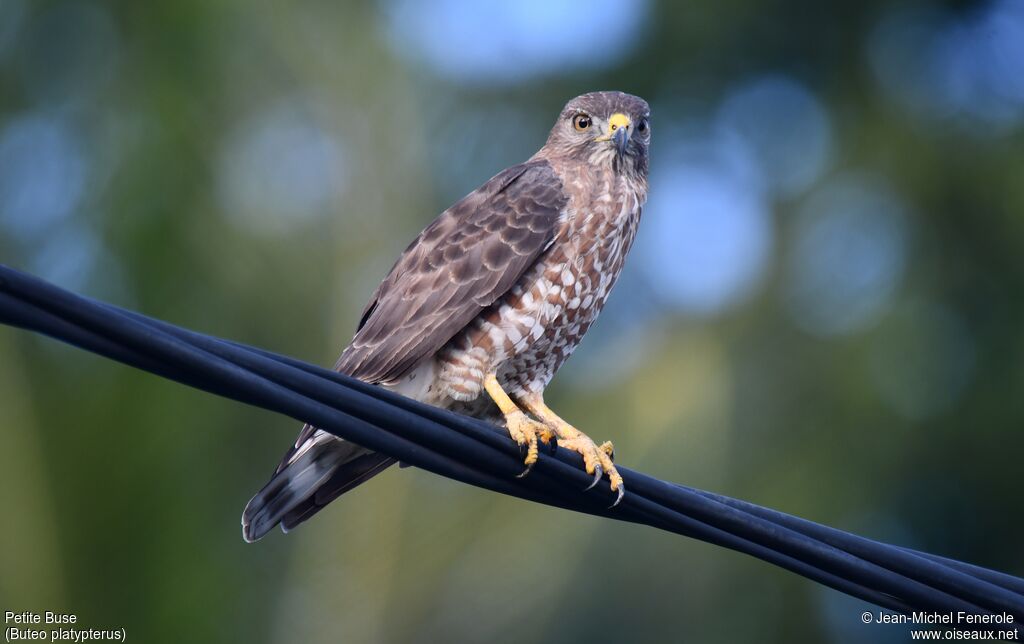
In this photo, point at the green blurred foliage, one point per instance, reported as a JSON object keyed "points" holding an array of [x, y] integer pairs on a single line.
{"points": [[122, 491]]}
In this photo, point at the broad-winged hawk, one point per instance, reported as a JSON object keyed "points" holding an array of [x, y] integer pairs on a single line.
{"points": [[489, 301]]}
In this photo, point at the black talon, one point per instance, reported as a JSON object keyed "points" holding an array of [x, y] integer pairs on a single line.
{"points": [[526, 471], [598, 472], [622, 493]]}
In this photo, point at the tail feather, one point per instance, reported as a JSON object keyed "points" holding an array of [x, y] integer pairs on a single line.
{"points": [[316, 471], [348, 476]]}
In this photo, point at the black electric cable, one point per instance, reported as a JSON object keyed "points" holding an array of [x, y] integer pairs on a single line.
{"points": [[474, 452]]}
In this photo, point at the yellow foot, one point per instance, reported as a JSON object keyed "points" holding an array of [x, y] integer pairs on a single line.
{"points": [[553, 431], [525, 431], [597, 459]]}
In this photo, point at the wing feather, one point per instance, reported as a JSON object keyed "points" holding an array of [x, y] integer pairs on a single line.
{"points": [[466, 259]]}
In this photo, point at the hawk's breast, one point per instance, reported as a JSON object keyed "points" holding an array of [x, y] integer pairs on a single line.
{"points": [[529, 333]]}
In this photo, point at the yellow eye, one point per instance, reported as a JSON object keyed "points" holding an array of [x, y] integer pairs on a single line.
{"points": [[581, 122]]}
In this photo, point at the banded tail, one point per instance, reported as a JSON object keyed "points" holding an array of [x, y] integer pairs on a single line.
{"points": [[318, 469]]}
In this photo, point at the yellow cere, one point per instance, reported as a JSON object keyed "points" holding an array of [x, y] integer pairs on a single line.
{"points": [[615, 121], [618, 120]]}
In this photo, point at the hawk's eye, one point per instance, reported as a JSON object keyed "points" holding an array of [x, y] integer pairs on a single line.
{"points": [[581, 122], [642, 126]]}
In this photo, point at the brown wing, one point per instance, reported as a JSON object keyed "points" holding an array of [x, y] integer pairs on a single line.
{"points": [[459, 265], [470, 256]]}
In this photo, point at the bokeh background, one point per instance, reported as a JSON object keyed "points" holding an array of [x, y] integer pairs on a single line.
{"points": [[823, 312]]}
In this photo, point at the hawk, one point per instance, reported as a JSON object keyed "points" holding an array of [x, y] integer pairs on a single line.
{"points": [[484, 306]]}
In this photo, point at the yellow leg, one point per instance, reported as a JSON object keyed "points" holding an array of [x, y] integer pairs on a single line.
{"points": [[521, 428], [596, 458]]}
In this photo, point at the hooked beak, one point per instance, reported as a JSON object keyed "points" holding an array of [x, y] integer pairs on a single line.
{"points": [[619, 130], [621, 139]]}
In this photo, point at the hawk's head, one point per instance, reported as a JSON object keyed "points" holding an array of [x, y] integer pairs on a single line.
{"points": [[610, 128]]}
